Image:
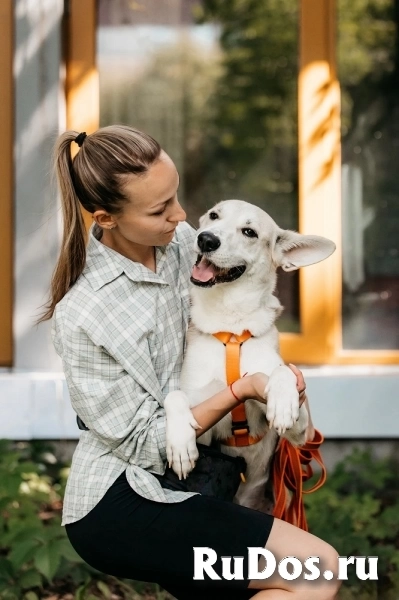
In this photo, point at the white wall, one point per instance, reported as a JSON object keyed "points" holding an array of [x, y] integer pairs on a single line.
{"points": [[346, 403], [37, 122]]}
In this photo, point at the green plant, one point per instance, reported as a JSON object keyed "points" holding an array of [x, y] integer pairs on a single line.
{"points": [[33, 546], [357, 512], [36, 559]]}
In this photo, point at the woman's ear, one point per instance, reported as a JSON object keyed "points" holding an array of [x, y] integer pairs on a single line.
{"points": [[293, 250], [104, 219]]}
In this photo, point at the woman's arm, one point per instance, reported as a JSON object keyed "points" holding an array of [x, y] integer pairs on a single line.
{"points": [[210, 411], [122, 415]]}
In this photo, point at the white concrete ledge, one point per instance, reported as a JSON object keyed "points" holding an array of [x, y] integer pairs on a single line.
{"points": [[35, 405], [356, 401], [347, 402]]}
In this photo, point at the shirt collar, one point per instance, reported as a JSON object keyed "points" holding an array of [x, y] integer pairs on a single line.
{"points": [[103, 264]]}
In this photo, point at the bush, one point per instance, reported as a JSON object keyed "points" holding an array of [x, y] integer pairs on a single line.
{"points": [[36, 559], [357, 511]]}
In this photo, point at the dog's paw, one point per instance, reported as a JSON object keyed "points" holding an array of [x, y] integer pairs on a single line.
{"points": [[181, 446], [282, 408]]}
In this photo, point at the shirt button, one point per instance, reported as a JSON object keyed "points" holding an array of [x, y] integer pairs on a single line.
{"points": [[179, 335]]}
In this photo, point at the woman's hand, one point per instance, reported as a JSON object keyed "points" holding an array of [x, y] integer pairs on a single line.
{"points": [[301, 387], [300, 383], [253, 386]]}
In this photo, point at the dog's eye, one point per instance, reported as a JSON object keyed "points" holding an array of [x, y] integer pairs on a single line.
{"points": [[249, 232], [213, 216]]}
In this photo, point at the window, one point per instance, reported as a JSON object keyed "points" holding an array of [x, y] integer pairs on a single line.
{"points": [[223, 94], [217, 87], [369, 73]]}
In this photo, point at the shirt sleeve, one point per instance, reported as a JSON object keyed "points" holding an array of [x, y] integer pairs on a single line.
{"points": [[113, 405]]}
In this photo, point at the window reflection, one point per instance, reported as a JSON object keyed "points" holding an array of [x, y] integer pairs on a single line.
{"points": [[369, 74], [216, 84]]}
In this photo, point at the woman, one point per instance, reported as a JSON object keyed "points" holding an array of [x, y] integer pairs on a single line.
{"points": [[120, 311]]}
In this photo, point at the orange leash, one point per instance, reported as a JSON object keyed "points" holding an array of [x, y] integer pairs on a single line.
{"points": [[291, 469], [240, 428]]}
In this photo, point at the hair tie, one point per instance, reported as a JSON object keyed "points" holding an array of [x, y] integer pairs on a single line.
{"points": [[80, 138]]}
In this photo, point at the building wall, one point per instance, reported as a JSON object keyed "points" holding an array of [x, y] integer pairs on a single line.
{"points": [[346, 403]]}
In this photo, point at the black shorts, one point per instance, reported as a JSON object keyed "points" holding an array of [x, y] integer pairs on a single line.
{"points": [[128, 536]]}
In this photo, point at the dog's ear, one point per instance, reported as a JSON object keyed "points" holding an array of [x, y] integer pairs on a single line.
{"points": [[293, 250]]}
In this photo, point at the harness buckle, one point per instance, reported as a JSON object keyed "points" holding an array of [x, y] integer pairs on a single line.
{"points": [[240, 428]]}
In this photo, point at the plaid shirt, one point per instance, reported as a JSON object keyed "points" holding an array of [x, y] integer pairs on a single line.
{"points": [[120, 331]]}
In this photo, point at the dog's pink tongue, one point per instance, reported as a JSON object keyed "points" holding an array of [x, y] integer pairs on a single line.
{"points": [[203, 271]]}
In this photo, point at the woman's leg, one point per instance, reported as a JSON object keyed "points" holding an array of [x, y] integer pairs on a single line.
{"points": [[287, 540], [128, 536], [187, 591]]}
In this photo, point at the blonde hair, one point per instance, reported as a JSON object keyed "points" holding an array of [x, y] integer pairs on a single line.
{"points": [[93, 179]]}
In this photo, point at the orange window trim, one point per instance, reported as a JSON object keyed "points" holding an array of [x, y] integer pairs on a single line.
{"points": [[81, 79], [6, 178]]}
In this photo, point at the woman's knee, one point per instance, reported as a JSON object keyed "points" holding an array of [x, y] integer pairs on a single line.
{"points": [[315, 560], [329, 569]]}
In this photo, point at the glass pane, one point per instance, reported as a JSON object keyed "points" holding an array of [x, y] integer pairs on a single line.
{"points": [[369, 75], [216, 84]]}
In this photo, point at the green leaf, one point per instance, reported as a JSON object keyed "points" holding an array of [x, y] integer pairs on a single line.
{"points": [[6, 569], [23, 553], [30, 579], [104, 589], [10, 485], [21, 533], [79, 573], [67, 551], [11, 593], [31, 596], [4, 585], [81, 592], [47, 560], [51, 533]]}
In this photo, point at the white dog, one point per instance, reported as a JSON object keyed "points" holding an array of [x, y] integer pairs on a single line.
{"points": [[239, 249]]}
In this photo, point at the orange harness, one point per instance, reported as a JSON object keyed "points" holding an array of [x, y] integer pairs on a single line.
{"points": [[239, 423], [291, 465]]}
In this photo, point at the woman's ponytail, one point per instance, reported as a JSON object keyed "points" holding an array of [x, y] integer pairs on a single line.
{"points": [[71, 260], [95, 180]]}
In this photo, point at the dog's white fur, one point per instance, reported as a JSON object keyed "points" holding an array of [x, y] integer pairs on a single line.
{"points": [[246, 303]]}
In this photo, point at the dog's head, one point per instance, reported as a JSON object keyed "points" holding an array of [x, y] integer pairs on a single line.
{"points": [[237, 238]]}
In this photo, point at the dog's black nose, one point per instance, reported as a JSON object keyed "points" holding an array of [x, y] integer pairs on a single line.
{"points": [[208, 242]]}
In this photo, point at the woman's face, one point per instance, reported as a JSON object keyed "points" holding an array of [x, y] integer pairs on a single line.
{"points": [[153, 211]]}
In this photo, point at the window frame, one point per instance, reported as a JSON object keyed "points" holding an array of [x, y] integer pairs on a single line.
{"points": [[319, 140], [7, 180], [82, 92]]}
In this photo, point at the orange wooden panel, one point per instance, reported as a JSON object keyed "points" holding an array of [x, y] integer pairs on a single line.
{"points": [[81, 82], [319, 184], [6, 178]]}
